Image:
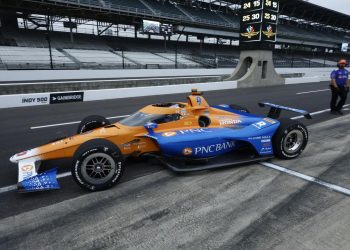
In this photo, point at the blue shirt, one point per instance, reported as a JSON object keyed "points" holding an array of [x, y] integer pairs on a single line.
{"points": [[340, 76]]}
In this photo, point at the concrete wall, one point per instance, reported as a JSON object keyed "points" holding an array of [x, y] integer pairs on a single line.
{"points": [[44, 75]]}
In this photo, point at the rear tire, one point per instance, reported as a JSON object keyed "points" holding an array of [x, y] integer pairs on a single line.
{"points": [[97, 165], [239, 108], [290, 139], [92, 122]]}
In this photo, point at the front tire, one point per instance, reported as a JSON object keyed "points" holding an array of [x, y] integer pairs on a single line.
{"points": [[92, 122], [97, 165], [290, 139]]}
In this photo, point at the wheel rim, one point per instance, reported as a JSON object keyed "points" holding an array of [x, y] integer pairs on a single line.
{"points": [[98, 168], [293, 141]]}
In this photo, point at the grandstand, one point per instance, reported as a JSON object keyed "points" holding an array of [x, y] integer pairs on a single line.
{"points": [[107, 34]]}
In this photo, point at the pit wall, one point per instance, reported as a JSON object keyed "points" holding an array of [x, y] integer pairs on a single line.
{"points": [[49, 75], [34, 99]]}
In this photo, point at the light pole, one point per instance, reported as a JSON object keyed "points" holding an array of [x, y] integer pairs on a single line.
{"points": [[48, 38], [176, 47]]}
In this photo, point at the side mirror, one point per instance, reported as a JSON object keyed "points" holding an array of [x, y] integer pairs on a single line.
{"points": [[150, 126]]}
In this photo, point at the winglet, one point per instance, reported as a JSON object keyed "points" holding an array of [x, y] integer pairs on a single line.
{"points": [[275, 110]]}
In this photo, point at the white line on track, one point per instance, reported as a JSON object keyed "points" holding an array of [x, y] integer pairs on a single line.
{"points": [[14, 187], [315, 113], [314, 91], [76, 122], [307, 178]]}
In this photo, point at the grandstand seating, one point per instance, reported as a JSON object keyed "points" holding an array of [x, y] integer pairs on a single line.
{"points": [[307, 34], [99, 59], [297, 61], [205, 16], [38, 58], [149, 60], [128, 3], [165, 8], [230, 18], [59, 40], [33, 58], [181, 60], [209, 17]]}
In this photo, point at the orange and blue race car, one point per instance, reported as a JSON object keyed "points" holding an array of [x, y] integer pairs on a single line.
{"points": [[184, 136]]}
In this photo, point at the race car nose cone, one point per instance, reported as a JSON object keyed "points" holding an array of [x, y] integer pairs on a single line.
{"points": [[13, 159]]}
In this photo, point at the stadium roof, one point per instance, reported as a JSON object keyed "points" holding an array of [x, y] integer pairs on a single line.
{"points": [[301, 9], [298, 9], [311, 12]]}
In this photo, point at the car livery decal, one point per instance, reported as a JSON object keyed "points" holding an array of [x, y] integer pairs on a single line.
{"points": [[210, 142]]}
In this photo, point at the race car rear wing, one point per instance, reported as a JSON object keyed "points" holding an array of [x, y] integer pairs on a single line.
{"points": [[275, 110]]}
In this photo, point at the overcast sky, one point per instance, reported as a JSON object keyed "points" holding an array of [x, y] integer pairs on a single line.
{"points": [[338, 5]]}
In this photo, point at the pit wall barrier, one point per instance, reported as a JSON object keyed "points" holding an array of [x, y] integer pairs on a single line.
{"points": [[54, 75], [35, 99]]}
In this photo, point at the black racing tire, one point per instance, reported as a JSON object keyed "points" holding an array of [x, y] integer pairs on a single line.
{"points": [[239, 108], [97, 165], [290, 139], [92, 122]]}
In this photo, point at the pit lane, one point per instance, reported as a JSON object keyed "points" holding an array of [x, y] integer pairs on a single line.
{"points": [[326, 157]]}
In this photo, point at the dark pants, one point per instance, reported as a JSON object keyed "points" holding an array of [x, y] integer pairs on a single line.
{"points": [[340, 92]]}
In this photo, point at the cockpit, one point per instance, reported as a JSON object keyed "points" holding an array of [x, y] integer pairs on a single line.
{"points": [[140, 119]]}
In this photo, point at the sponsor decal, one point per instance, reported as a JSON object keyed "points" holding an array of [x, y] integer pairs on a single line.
{"points": [[187, 151], [182, 112], [66, 97], [188, 123], [32, 100], [260, 125], [133, 143], [269, 120], [214, 148], [230, 122], [27, 168], [43, 181], [266, 143], [194, 131], [57, 142], [199, 100], [265, 137], [169, 134]]}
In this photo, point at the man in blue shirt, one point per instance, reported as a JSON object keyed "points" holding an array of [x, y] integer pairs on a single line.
{"points": [[339, 87]]}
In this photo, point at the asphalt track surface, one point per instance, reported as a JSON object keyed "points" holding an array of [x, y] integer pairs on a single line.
{"points": [[247, 207]]}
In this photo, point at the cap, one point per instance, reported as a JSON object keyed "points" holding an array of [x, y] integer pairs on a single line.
{"points": [[342, 61]]}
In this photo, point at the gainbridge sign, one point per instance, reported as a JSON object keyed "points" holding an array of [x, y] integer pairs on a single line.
{"points": [[259, 20]]}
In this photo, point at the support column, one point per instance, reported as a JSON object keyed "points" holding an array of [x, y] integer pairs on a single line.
{"points": [[256, 69]]}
